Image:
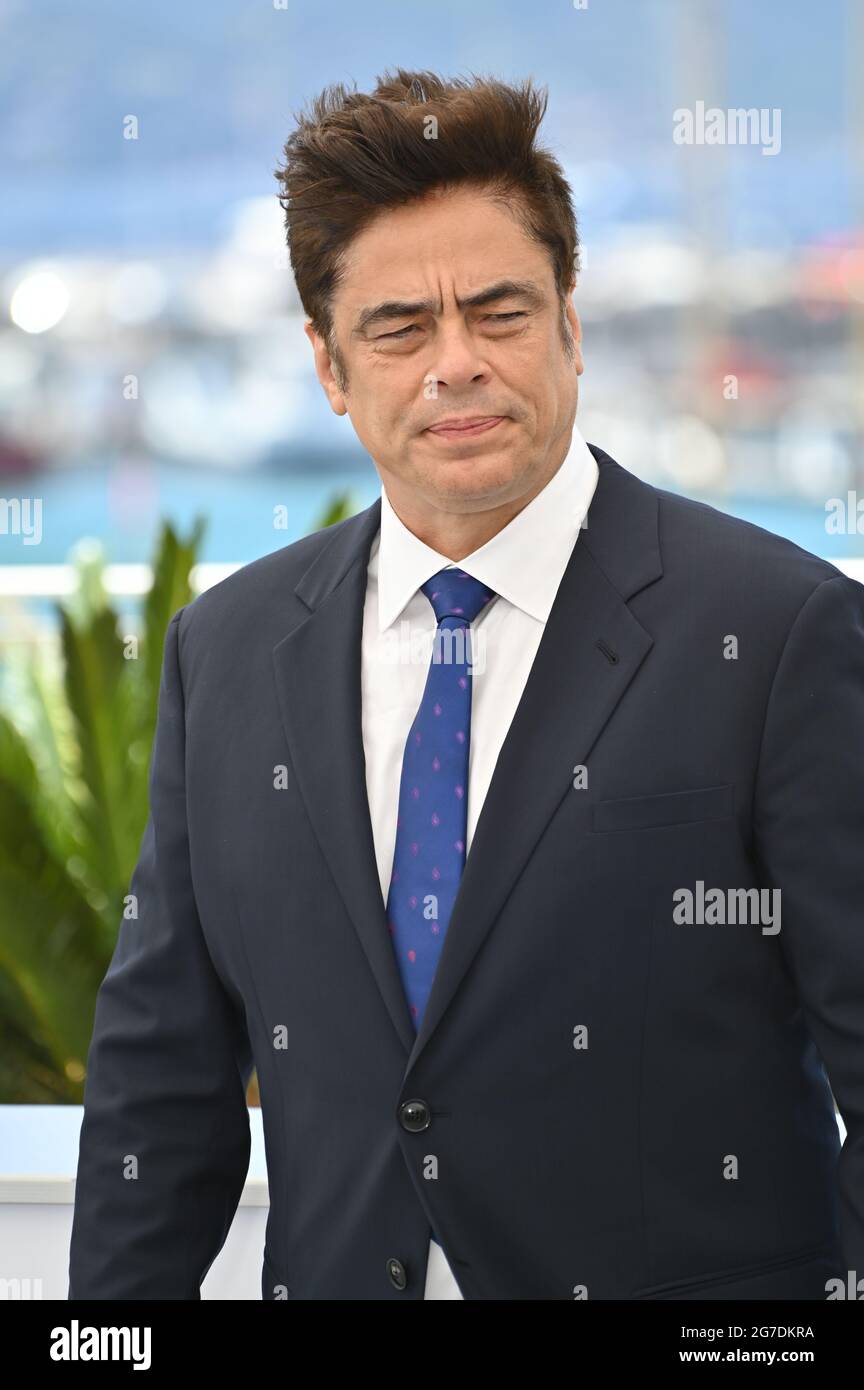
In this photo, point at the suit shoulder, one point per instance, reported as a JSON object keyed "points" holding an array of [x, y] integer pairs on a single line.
{"points": [[260, 588], [736, 551]]}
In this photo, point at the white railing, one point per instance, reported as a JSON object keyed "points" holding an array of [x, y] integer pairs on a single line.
{"points": [[57, 581]]}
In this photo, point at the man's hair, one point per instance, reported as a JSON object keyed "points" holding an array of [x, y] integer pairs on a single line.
{"points": [[352, 156]]}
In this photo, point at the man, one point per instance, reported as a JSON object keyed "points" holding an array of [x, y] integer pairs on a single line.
{"points": [[541, 941]]}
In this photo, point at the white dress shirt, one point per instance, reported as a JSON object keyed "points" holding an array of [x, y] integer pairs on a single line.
{"points": [[523, 564]]}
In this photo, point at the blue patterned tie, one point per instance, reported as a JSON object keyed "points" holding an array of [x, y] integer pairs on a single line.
{"points": [[429, 855]]}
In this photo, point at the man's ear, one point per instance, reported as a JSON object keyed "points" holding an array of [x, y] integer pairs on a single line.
{"points": [[324, 370], [575, 329]]}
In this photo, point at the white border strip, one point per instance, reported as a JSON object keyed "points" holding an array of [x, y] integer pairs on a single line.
{"points": [[59, 581]]}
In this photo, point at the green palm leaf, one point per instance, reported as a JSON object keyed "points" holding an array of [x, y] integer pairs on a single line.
{"points": [[74, 766]]}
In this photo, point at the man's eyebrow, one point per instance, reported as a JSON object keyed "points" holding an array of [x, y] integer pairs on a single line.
{"points": [[403, 308], [504, 289]]}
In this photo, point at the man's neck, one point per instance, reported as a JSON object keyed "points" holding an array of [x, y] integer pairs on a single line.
{"points": [[457, 534]]}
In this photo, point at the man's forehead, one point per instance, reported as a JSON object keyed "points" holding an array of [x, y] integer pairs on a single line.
{"points": [[465, 280], [464, 234]]}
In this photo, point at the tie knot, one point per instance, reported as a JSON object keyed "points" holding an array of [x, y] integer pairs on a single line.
{"points": [[455, 594]]}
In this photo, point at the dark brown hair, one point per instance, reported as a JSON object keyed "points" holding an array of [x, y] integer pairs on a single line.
{"points": [[353, 155]]}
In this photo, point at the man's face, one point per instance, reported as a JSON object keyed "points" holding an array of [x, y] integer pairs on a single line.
{"points": [[419, 354]]}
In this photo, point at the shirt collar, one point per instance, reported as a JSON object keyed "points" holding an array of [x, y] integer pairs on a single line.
{"points": [[524, 562]]}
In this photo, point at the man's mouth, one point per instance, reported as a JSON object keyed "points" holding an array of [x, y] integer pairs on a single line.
{"points": [[464, 427]]}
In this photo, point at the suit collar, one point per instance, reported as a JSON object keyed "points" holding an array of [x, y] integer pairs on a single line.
{"points": [[523, 562], [620, 531]]}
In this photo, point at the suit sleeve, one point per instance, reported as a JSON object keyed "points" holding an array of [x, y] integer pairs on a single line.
{"points": [[164, 1142], [809, 827]]}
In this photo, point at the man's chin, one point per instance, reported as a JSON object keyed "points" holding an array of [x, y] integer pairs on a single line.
{"points": [[475, 483]]}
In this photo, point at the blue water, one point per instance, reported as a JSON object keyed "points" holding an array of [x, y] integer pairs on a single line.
{"points": [[123, 508]]}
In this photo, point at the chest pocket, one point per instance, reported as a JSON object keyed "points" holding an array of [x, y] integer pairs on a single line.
{"points": [[665, 808]]}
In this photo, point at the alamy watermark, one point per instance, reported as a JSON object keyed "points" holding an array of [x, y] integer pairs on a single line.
{"points": [[845, 516], [21, 516], [727, 906], [738, 125], [445, 646]]}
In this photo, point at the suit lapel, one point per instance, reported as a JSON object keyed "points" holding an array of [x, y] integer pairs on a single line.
{"points": [[590, 651], [317, 671]]}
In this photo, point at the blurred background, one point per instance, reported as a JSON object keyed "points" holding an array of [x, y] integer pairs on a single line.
{"points": [[160, 421]]}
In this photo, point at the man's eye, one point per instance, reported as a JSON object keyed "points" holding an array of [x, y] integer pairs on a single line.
{"points": [[493, 318]]}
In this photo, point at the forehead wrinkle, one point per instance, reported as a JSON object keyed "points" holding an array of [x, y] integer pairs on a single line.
{"points": [[398, 308]]}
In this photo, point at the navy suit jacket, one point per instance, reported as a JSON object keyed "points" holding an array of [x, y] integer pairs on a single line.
{"points": [[605, 1101]]}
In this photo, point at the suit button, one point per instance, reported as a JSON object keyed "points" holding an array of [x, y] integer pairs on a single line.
{"points": [[414, 1115], [396, 1274]]}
